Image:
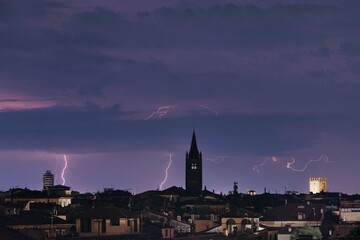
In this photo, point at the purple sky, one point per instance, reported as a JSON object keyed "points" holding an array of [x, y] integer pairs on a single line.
{"points": [[259, 80]]}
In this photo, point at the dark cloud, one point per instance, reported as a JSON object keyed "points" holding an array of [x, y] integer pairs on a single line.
{"points": [[96, 129], [77, 55], [280, 76], [322, 73], [349, 48], [322, 52], [26, 100], [18, 11], [353, 66]]}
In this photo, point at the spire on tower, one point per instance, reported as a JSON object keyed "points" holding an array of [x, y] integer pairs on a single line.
{"points": [[193, 166], [194, 152]]}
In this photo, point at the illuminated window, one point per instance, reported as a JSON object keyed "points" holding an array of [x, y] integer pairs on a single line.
{"points": [[193, 166]]}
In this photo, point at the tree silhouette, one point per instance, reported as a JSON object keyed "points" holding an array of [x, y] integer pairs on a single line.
{"points": [[306, 230]]}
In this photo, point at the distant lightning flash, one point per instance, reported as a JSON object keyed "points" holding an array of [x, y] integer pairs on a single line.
{"points": [[63, 171], [289, 165], [57, 162], [161, 111], [208, 108], [218, 159], [255, 168], [166, 173], [164, 110]]}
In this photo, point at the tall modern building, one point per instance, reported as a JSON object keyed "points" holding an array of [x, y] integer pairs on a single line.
{"points": [[48, 180], [317, 185], [193, 162]]}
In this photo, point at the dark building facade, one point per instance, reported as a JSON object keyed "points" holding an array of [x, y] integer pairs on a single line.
{"points": [[193, 166]]}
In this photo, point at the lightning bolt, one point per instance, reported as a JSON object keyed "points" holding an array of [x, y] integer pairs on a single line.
{"points": [[63, 171], [255, 168], [166, 173], [208, 108], [218, 159], [289, 165], [57, 162], [161, 111]]}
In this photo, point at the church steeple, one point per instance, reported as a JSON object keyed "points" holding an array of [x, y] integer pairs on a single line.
{"points": [[194, 152], [193, 161]]}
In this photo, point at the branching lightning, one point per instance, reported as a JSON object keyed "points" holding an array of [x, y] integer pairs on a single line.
{"points": [[166, 173], [63, 171], [256, 167], [161, 111], [289, 165], [164, 110]]}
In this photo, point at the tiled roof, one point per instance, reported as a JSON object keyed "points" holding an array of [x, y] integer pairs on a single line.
{"points": [[203, 202], [107, 212], [19, 204], [10, 234], [290, 212], [30, 218], [350, 204], [241, 213], [174, 191]]}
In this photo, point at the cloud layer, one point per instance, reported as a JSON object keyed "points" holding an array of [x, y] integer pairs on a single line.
{"points": [[256, 78]]}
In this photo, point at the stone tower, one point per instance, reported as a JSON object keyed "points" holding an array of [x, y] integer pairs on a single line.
{"points": [[193, 166], [317, 185], [48, 180]]}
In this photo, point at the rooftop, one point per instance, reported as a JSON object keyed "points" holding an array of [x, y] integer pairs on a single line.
{"points": [[107, 212]]}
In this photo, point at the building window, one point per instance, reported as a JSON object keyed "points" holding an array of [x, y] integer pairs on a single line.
{"points": [[103, 225], [301, 216], [114, 222], [135, 225], [85, 225], [62, 232], [166, 232], [128, 223]]}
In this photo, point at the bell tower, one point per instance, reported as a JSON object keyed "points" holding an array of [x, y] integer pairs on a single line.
{"points": [[193, 169]]}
